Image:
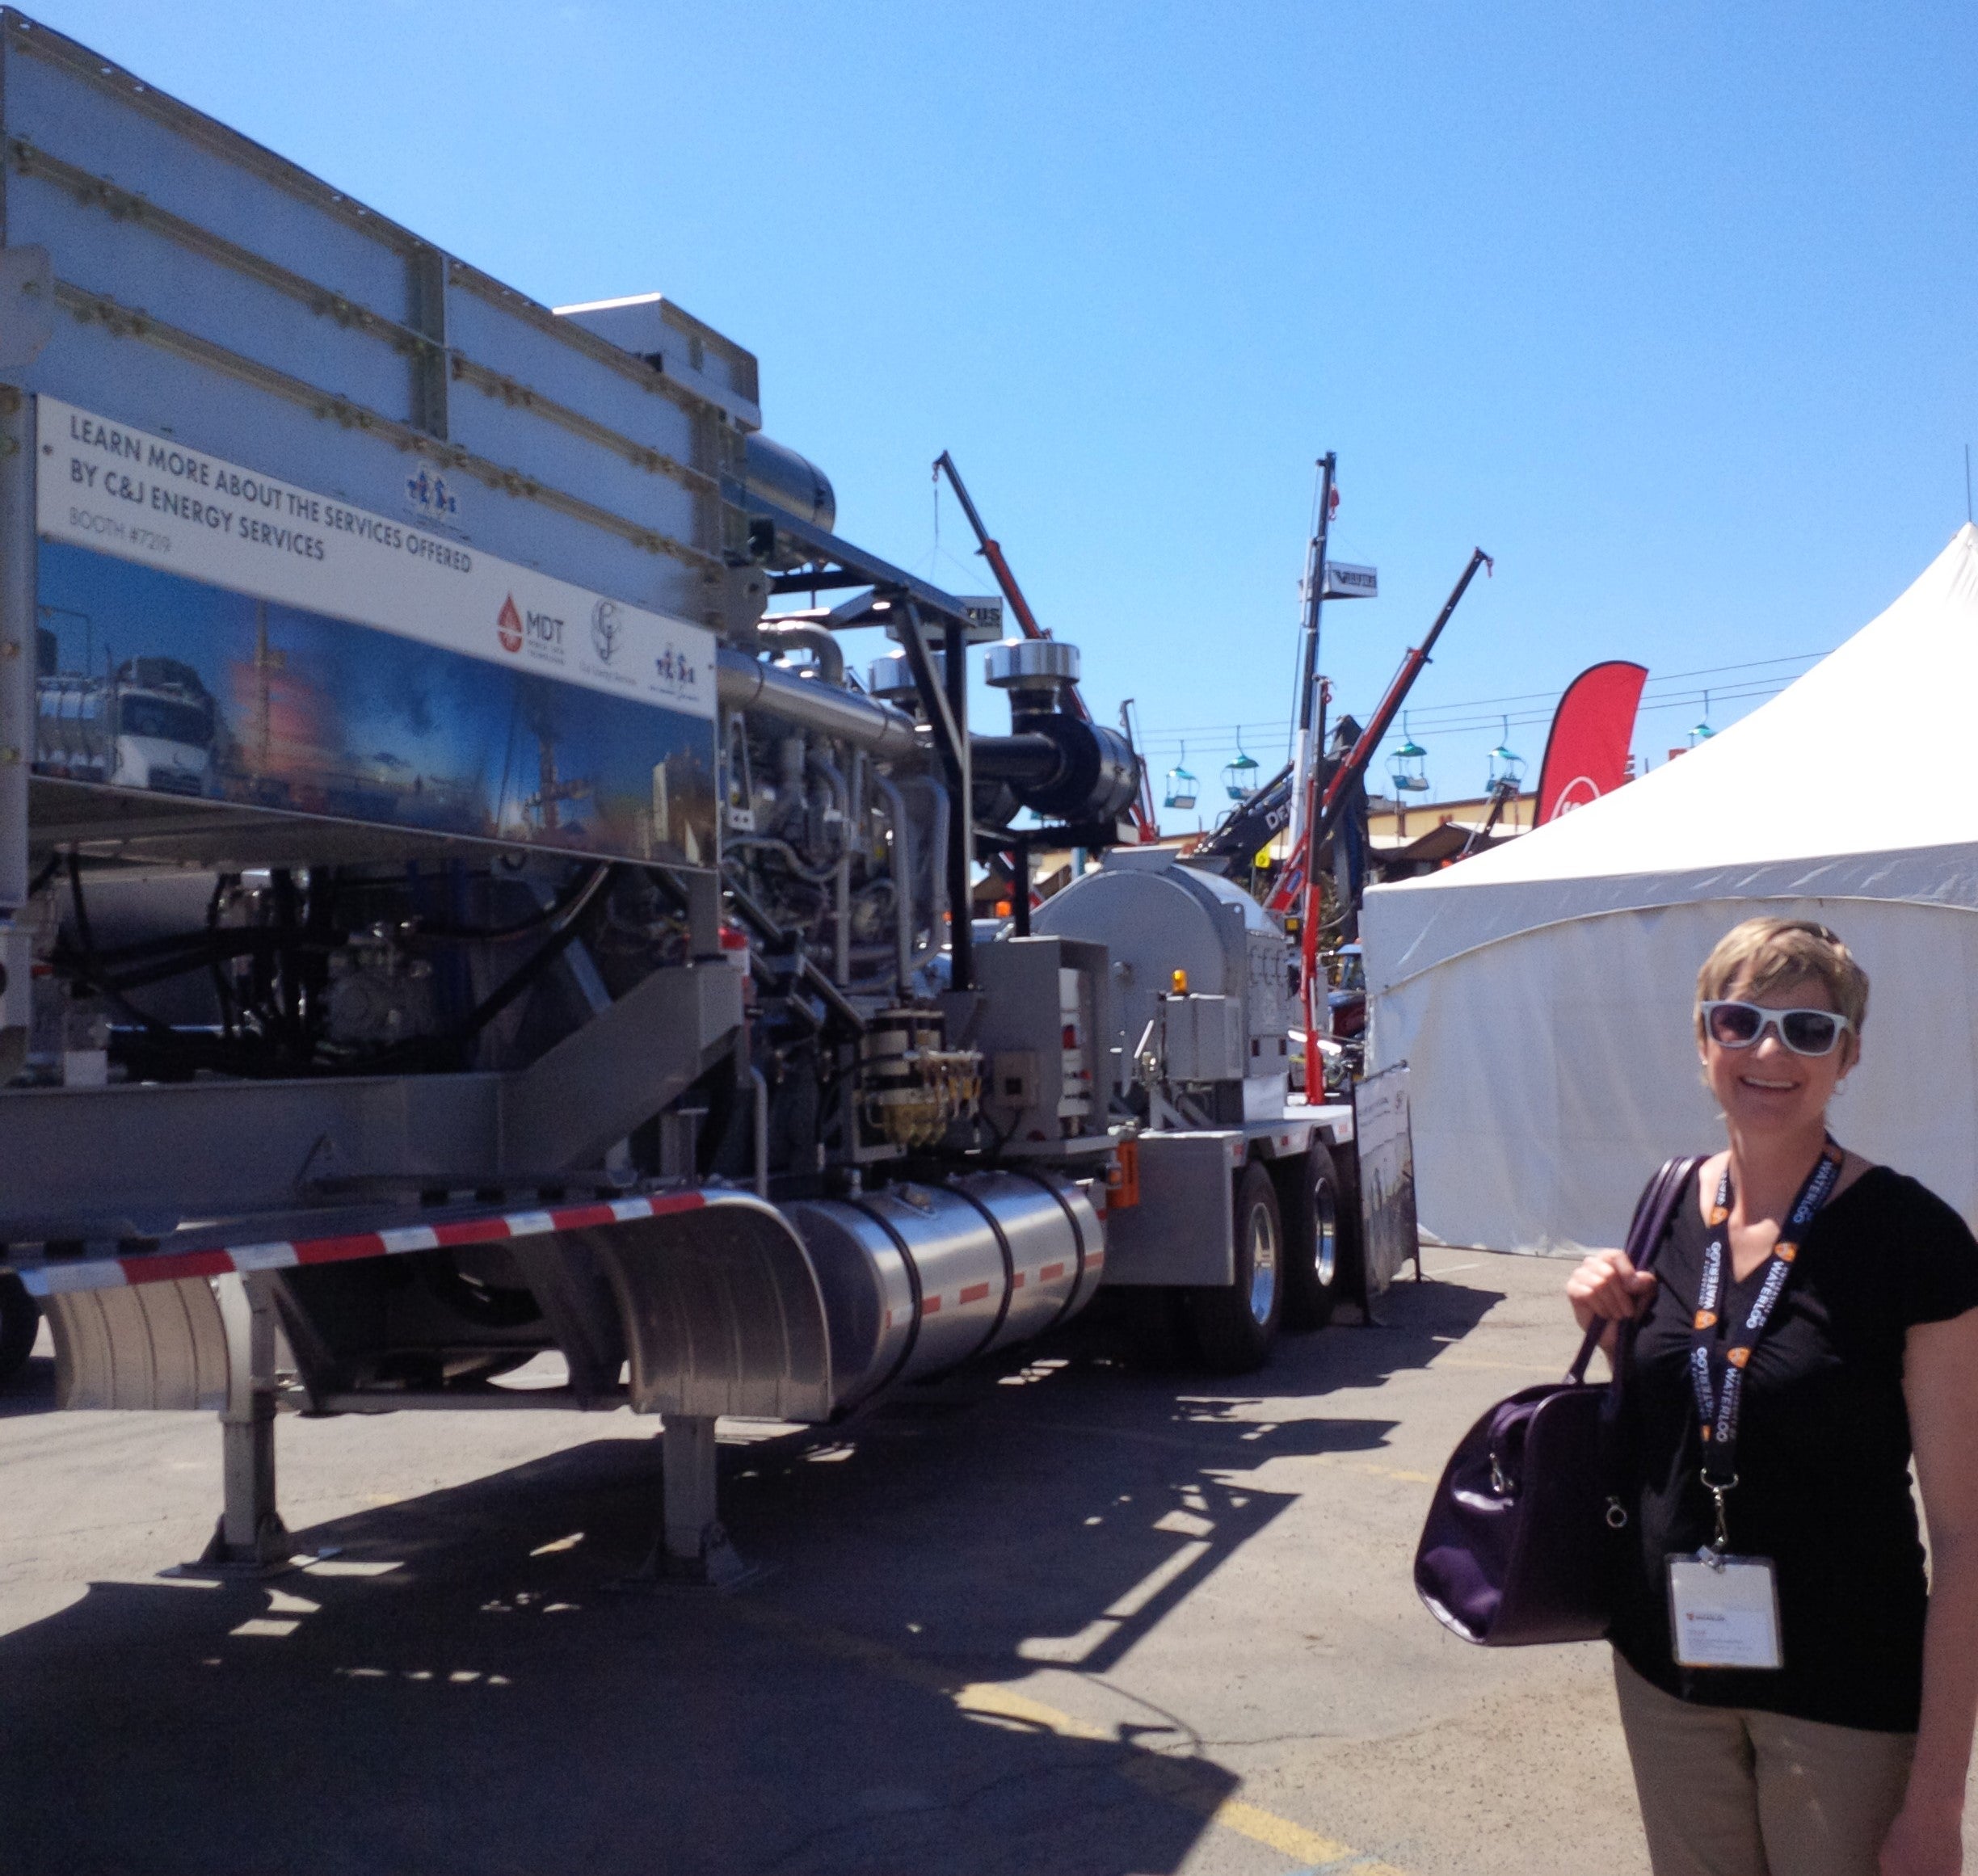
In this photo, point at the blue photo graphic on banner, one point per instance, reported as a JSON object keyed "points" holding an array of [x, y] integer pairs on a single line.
{"points": [[146, 680]]}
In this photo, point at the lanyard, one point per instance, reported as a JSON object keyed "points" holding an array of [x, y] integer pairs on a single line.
{"points": [[1719, 1394]]}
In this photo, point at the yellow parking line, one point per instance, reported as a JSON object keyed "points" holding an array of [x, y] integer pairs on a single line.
{"points": [[1386, 1472], [1181, 1781], [992, 1698], [1186, 1782]]}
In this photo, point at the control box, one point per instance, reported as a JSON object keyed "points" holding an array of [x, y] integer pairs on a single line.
{"points": [[1043, 1033]]}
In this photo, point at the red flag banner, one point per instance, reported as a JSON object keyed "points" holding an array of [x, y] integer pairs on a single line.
{"points": [[1586, 753]]}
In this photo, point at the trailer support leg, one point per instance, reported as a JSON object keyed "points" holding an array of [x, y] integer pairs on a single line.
{"points": [[251, 1539], [693, 1548]]}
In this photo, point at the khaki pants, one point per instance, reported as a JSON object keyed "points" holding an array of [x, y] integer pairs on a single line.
{"points": [[1731, 1791]]}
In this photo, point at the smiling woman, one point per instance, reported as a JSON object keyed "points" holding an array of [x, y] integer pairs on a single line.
{"points": [[1795, 1697]]}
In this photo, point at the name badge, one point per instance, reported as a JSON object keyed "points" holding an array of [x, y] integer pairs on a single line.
{"points": [[1724, 1611]]}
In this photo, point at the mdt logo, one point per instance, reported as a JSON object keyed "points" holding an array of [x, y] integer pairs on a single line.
{"points": [[544, 631], [676, 667]]}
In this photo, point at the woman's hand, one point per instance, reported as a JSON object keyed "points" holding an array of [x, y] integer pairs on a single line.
{"points": [[1923, 1843], [1606, 1286], [1940, 1384]]}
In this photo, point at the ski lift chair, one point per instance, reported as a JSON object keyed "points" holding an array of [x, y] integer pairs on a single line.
{"points": [[1409, 773], [1182, 787], [1239, 776], [1507, 767]]}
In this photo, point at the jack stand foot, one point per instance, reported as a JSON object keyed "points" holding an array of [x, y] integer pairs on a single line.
{"points": [[271, 1553], [250, 1541], [717, 1565], [693, 1549]]}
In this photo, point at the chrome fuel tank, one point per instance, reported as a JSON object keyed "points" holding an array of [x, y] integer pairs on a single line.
{"points": [[1056, 1245], [919, 1278]]}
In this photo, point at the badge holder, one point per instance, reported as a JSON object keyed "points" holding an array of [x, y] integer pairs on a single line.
{"points": [[1723, 1610]]}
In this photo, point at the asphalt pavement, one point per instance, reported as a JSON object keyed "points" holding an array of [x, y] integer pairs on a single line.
{"points": [[1078, 1617]]}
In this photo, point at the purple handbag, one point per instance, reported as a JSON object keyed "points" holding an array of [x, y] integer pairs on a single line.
{"points": [[1516, 1547]]}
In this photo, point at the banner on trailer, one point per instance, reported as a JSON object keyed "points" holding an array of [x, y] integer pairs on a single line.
{"points": [[207, 631], [1587, 751], [1389, 1235]]}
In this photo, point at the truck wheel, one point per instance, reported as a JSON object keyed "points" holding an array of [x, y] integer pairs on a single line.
{"points": [[1235, 1323], [20, 1320], [1318, 1233]]}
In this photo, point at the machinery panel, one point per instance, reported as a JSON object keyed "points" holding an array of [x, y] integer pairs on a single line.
{"points": [[1202, 1039], [1043, 1032], [1182, 1230]]}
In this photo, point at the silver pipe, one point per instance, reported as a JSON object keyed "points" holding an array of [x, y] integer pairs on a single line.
{"points": [[743, 683], [790, 765], [937, 866], [822, 764], [902, 873], [815, 639]]}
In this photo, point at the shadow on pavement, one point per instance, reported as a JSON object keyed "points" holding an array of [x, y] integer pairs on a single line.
{"points": [[32, 1391], [462, 1688]]}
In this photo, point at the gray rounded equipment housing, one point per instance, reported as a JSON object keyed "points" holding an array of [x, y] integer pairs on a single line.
{"points": [[1156, 916]]}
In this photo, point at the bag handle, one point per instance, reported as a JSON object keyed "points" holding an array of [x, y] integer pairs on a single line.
{"points": [[1652, 1212]]}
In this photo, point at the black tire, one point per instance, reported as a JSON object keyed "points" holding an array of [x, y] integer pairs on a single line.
{"points": [[1317, 1230], [1236, 1324], [20, 1321]]}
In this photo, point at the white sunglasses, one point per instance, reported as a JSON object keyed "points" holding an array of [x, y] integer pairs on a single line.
{"points": [[1732, 1024]]}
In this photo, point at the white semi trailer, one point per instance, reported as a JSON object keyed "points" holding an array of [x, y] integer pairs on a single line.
{"points": [[554, 948]]}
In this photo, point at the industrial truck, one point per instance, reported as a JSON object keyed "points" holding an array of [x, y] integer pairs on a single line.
{"points": [[557, 949]]}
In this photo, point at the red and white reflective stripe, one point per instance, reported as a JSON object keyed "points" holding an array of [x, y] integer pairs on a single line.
{"points": [[165, 1266], [936, 1302]]}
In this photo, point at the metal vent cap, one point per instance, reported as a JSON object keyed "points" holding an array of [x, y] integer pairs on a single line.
{"points": [[891, 677], [1022, 664]]}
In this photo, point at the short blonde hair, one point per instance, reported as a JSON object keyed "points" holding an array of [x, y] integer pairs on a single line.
{"points": [[1760, 954]]}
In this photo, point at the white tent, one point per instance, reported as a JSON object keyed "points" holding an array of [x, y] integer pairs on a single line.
{"points": [[1542, 993]]}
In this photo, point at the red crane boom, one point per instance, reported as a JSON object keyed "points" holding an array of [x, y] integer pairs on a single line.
{"points": [[992, 551]]}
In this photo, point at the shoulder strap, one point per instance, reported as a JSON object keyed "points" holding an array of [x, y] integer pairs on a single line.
{"points": [[1653, 1210]]}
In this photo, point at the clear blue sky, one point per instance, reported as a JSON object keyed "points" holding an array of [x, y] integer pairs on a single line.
{"points": [[1671, 309]]}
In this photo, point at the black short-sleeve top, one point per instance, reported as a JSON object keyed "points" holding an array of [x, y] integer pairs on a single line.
{"points": [[1822, 1456]]}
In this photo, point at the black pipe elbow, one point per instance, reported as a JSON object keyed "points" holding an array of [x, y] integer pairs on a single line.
{"points": [[1062, 768]]}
